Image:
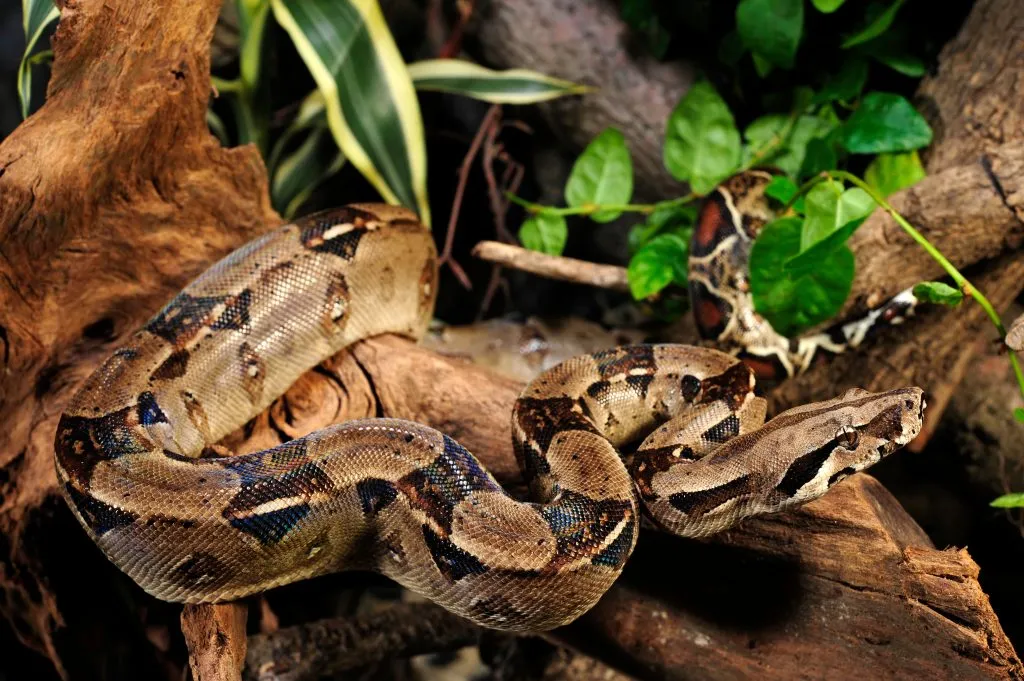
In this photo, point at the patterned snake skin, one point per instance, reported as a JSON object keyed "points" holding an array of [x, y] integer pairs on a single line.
{"points": [[399, 497]]}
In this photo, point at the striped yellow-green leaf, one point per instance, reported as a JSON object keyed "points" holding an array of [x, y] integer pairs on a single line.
{"points": [[252, 20], [298, 174], [36, 16], [515, 86], [370, 102]]}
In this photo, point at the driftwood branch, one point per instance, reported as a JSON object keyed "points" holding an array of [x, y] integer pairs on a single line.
{"points": [[971, 206], [112, 196], [216, 640], [553, 266], [587, 42], [326, 648], [978, 157], [86, 257], [847, 576]]}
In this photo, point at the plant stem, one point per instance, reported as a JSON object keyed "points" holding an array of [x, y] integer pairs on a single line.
{"points": [[776, 140], [962, 282], [591, 208], [224, 85]]}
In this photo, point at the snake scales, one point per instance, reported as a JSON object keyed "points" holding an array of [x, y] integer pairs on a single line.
{"points": [[399, 497]]}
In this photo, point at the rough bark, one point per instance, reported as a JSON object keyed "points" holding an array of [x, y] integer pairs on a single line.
{"points": [[971, 206], [976, 424], [329, 647], [586, 42], [216, 641], [975, 103], [112, 196], [848, 580]]}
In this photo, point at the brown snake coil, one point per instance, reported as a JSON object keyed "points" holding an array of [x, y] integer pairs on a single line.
{"points": [[399, 497]]}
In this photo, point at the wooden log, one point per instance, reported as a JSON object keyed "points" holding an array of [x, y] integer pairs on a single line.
{"points": [[587, 42], [847, 581], [972, 103], [329, 647]]}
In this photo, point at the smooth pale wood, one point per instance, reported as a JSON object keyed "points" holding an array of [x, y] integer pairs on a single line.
{"points": [[553, 266]]}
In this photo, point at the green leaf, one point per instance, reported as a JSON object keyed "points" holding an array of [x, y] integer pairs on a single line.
{"points": [[828, 208], [761, 65], [788, 144], [821, 155], [217, 127], [312, 114], [902, 62], [892, 49], [370, 102], [298, 174], [675, 219], [660, 262], [885, 122], [1018, 414], [889, 173], [875, 27], [36, 16], [846, 84], [794, 301], [731, 49], [252, 22], [827, 6], [702, 144], [603, 174], [818, 252], [939, 293], [515, 86], [771, 28], [545, 233], [641, 16], [782, 189], [1015, 500]]}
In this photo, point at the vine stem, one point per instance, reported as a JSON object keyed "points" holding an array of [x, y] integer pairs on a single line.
{"points": [[591, 208], [961, 281]]}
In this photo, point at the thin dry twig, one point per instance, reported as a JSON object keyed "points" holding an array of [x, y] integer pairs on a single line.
{"points": [[446, 258], [453, 45], [511, 178], [553, 266]]}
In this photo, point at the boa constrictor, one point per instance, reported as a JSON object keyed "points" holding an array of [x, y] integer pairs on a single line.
{"points": [[402, 498], [728, 222]]}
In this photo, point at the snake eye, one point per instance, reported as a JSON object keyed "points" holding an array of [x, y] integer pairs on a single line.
{"points": [[848, 436]]}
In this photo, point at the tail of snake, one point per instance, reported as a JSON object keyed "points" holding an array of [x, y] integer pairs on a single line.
{"points": [[402, 498]]}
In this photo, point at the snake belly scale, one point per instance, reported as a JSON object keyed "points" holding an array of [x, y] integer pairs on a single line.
{"points": [[402, 498]]}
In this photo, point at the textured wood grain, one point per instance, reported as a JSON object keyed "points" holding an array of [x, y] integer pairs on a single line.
{"points": [[216, 640], [848, 580], [975, 211], [112, 196]]}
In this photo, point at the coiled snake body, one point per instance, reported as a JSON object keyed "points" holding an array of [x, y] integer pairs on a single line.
{"points": [[399, 497]]}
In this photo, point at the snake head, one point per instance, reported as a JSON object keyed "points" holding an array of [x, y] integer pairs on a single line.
{"points": [[847, 434]]}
